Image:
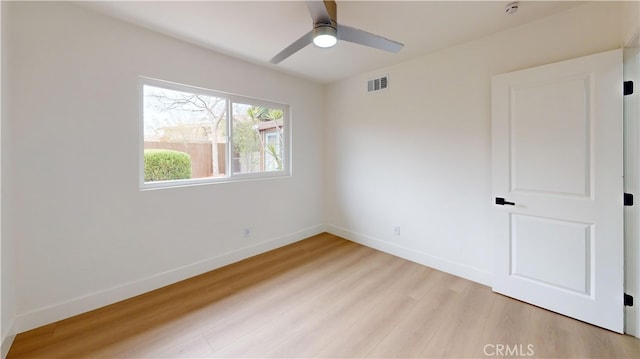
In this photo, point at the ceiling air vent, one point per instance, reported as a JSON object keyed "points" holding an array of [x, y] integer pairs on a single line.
{"points": [[378, 84]]}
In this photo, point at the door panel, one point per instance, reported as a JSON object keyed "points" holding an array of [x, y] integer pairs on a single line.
{"points": [[567, 267], [557, 155], [551, 134]]}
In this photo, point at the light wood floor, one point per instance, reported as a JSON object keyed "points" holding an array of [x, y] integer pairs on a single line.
{"points": [[322, 297]]}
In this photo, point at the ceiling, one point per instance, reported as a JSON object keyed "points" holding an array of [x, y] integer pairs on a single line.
{"points": [[255, 31]]}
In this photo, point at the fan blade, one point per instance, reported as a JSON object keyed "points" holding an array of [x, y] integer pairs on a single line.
{"points": [[367, 39], [320, 11], [297, 45]]}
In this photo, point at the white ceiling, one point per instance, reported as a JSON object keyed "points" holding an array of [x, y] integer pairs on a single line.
{"points": [[257, 30]]}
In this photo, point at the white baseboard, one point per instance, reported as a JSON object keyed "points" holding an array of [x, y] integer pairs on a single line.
{"points": [[91, 301], [445, 265], [7, 339]]}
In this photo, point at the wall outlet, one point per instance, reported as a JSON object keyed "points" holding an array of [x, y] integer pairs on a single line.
{"points": [[396, 230], [247, 232]]}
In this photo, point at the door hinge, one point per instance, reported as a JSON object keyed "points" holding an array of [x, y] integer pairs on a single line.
{"points": [[628, 199], [628, 88], [628, 300]]}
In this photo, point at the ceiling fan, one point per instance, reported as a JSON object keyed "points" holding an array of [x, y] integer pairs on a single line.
{"points": [[326, 32]]}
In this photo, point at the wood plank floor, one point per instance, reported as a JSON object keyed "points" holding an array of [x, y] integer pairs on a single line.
{"points": [[322, 297]]}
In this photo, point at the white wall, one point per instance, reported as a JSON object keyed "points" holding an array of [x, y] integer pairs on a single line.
{"points": [[419, 154], [630, 21], [7, 244], [6, 313], [85, 234]]}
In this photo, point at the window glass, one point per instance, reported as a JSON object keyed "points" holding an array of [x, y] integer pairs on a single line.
{"points": [[193, 134], [257, 138]]}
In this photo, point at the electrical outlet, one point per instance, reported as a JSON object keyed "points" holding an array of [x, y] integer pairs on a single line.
{"points": [[396, 230], [247, 232]]}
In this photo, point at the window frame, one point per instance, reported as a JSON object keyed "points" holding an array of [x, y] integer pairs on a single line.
{"points": [[230, 99]]}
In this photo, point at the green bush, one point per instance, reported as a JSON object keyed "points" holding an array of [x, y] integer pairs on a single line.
{"points": [[164, 165]]}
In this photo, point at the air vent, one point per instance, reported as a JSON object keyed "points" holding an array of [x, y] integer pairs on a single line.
{"points": [[377, 84]]}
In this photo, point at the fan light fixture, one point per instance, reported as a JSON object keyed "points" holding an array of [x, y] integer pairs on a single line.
{"points": [[324, 32], [324, 36]]}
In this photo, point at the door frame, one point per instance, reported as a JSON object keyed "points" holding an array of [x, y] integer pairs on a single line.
{"points": [[631, 120]]}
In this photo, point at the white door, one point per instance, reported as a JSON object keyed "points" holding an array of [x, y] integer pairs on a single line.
{"points": [[557, 165]]}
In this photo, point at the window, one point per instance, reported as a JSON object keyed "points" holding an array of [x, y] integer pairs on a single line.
{"points": [[193, 135]]}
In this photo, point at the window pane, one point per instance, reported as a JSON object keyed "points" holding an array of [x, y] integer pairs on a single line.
{"points": [[195, 136], [257, 139], [178, 123]]}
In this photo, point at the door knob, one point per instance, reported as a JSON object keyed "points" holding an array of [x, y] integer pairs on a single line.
{"points": [[502, 202]]}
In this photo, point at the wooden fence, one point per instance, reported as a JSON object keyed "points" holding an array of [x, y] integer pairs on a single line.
{"points": [[200, 153]]}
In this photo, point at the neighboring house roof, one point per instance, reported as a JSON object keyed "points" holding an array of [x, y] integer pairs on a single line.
{"points": [[268, 125]]}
